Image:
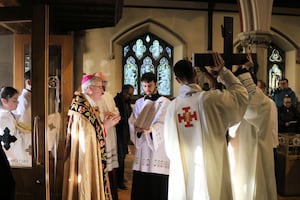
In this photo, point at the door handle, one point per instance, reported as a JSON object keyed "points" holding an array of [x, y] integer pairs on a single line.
{"points": [[36, 140]]}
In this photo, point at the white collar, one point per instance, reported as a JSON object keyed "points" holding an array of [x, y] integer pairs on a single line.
{"points": [[90, 100], [189, 90]]}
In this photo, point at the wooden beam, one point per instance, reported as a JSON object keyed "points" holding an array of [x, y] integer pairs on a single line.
{"points": [[8, 27], [15, 13]]}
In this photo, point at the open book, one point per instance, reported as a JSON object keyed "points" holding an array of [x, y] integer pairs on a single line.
{"points": [[146, 116]]}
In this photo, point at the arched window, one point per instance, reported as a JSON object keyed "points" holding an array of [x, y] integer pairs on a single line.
{"points": [[276, 66], [148, 53]]}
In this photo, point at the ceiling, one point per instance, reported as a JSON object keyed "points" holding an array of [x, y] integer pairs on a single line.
{"points": [[74, 15], [64, 15]]}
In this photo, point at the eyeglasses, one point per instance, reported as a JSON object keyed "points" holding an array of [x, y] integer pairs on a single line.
{"points": [[98, 86]]}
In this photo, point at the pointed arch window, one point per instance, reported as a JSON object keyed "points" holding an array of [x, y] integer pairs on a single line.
{"points": [[276, 66], [148, 53]]}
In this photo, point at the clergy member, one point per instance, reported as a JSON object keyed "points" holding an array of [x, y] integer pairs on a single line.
{"points": [[85, 172], [251, 144], [14, 138], [107, 108], [146, 125], [195, 133]]}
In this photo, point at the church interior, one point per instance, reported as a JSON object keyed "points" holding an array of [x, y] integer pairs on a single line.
{"points": [[61, 40]]}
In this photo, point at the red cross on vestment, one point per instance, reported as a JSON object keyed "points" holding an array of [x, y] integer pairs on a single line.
{"points": [[187, 117]]}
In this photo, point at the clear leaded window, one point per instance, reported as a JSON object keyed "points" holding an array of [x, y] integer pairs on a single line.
{"points": [[276, 67], [148, 53]]}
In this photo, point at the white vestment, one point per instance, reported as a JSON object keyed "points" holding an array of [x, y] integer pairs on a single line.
{"points": [[195, 137], [85, 173], [274, 123], [23, 110], [150, 154], [18, 152], [107, 104], [251, 151]]}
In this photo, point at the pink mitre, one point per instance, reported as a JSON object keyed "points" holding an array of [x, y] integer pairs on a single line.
{"points": [[86, 78], [101, 75]]}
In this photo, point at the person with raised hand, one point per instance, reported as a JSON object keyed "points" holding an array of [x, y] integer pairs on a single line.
{"points": [[195, 129]]}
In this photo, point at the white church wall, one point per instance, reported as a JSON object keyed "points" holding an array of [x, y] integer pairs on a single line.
{"points": [[191, 26], [105, 54], [292, 72], [289, 27]]}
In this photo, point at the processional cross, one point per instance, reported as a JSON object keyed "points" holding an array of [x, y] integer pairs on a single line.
{"points": [[205, 59]]}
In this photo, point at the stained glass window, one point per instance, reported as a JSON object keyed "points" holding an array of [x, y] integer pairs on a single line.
{"points": [[276, 67], [148, 53], [130, 72]]}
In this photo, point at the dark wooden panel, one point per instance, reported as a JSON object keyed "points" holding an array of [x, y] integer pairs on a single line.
{"points": [[65, 15], [287, 175]]}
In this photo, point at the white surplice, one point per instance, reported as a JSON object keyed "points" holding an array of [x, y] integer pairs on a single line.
{"points": [[18, 152], [150, 155], [195, 137], [251, 151], [107, 104], [23, 110], [274, 123]]}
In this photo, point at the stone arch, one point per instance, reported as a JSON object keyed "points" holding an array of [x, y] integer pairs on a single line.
{"points": [[292, 56], [156, 28], [283, 41]]}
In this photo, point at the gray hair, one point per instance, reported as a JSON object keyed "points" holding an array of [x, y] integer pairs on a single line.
{"points": [[89, 82]]}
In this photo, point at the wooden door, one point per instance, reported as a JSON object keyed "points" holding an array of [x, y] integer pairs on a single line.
{"points": [[60, 82]]}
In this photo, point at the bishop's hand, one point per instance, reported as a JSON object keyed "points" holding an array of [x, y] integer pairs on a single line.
{"points": [[110, 121]]}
